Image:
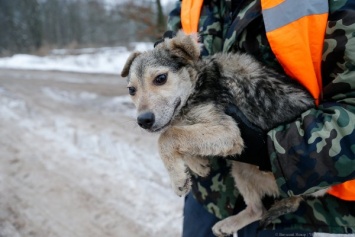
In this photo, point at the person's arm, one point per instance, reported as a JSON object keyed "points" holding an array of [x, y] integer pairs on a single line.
{"points": [[174, 21], [318, 150]]}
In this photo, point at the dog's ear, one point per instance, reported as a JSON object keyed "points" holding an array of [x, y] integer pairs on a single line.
{"points": [[128, 64], [185, 46]]}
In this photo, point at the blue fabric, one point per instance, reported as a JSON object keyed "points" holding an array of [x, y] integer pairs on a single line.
{"points": [[198, 222]]}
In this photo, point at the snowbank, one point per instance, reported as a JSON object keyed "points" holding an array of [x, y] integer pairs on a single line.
{"points": [[89, 60]]}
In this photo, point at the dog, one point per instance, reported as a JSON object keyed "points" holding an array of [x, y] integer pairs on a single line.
{"points": [[183, 97]]}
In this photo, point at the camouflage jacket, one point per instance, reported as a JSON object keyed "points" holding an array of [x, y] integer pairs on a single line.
{"points": [[313, 152]]}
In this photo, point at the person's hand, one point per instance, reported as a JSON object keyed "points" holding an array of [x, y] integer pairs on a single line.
{"points": [[255, 150], [168, 34]]}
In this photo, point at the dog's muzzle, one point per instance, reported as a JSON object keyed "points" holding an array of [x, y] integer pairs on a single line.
{"points": [[146, 120]]}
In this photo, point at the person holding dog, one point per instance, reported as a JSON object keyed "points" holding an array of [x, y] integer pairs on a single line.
{"points": [[313, 42]]}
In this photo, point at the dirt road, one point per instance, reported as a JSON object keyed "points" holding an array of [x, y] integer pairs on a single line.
{"points": [[74, 164]]}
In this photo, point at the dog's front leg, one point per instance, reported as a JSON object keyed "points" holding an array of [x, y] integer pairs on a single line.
{"points": [[198, 164], [212, 133], [253, 185], [175, 165], [211, 138], [180, 143]]}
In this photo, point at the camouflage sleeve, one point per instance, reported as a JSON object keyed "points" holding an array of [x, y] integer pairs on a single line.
{"points": [[174, 21], [210, 24], [318, 150]]}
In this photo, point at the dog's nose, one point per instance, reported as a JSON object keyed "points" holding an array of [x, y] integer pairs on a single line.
{"points": [[146, 120]]}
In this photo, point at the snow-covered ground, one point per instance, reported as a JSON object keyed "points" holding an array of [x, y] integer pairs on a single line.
{"points": [[73, 162], [90, 60]]}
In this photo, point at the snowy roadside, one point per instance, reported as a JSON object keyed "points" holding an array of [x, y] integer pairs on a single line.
{"points": [[73, 162], [102, 60]]}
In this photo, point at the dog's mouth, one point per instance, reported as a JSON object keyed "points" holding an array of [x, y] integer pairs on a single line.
{"points": [[177, 104]]}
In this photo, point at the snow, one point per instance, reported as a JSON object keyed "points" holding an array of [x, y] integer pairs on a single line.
{"points": [[89, 60], [82, 136], [119, 160]]}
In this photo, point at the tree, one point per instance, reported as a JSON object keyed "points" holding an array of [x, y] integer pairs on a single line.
{"points": [[150, 21], [21, 26], [27, 25]]}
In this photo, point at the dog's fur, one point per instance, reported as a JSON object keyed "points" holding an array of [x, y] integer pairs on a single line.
{"points": [[184, 98]]}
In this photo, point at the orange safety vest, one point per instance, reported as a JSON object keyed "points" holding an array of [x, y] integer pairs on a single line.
{"points": [[190, 15], [295, 30]]}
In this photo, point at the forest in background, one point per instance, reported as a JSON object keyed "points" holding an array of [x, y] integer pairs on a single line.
{"points": [[36, 26]]}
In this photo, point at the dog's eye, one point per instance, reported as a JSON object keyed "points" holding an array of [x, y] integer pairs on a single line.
{"points": [[160, 79], [132, 90]]}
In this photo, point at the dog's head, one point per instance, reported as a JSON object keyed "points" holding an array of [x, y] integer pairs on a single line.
{"points": [[161, 80]]}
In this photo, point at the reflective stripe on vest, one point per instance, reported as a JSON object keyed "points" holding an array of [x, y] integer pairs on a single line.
{"points": [[295, 30]]}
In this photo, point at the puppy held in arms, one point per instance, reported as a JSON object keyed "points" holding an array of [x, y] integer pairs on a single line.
{"points": [[184, 98]]}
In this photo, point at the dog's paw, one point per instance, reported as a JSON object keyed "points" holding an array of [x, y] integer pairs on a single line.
{"points": [[279, 208], [182, 187], [223, 228], [182, 184], [202, 170], [230, 148], [199, 165], [238, 147]]}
